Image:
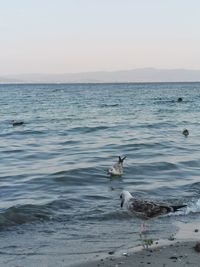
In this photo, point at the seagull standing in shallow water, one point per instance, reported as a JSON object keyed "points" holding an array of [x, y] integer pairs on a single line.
{"points": [[117, 168], [146, 209]]}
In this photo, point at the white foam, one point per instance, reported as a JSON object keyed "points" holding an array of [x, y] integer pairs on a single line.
{"points": [[193, 208]]}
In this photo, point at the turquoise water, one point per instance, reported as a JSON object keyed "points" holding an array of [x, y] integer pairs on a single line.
{"points": [[53, 169]]}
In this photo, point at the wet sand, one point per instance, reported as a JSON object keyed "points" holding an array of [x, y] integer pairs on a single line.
{"points": [[174, 255], [177, 251]]}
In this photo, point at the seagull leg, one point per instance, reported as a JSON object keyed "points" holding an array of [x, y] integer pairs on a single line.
{"points": [[143, 235], [142, 228]]}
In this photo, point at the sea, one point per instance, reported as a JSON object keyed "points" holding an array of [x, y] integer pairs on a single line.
{"points": [[58, 205]]}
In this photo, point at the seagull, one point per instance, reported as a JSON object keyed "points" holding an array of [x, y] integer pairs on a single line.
{"points": [[145, 209], [17, 123], [117, 168], [185, 132]]}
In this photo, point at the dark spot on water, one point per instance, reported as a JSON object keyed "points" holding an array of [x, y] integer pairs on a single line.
{"points": [[17, 123], [197, 247], [173, 258]]}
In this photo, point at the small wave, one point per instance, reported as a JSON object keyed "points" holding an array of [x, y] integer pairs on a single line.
{"points": [[190, 163], [192, 208], [34, 132], [193, 188], [109, 105], [23, 132], [87, 129], [154, 125], [13, 151], [98, 214], [70, 142], [156, 167], [78, 176], [23, 214]]}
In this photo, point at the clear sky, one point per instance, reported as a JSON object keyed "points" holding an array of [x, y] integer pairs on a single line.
{"points": [[60, 36]]}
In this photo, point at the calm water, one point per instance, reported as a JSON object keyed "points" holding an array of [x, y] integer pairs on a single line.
{"points": [[56, 197]]}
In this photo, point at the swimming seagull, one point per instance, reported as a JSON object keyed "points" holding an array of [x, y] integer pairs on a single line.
{"points": [[17, 123], [145, 209], [117, 168], [185, 132]]}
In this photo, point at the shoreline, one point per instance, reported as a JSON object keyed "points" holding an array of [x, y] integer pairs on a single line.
{"points": [[174, 252], [173, 255]]}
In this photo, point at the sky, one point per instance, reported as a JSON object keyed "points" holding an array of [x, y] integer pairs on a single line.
{"points": [[68, 36]]}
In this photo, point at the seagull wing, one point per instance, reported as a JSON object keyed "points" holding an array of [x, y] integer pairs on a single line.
{"points": [[147, 209]]}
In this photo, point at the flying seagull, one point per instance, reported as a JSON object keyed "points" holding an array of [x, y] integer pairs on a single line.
{"points": [[117, 168], [146, 209]]}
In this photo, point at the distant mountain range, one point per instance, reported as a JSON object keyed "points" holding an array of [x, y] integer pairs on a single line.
{"points": [[135, 75]]}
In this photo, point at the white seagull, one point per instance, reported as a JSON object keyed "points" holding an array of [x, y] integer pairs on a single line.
{"points": [[145, 209], [117, 168]]}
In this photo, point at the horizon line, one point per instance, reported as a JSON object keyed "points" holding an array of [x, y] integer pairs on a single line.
{"points": [[46, 83], [97, 71]]}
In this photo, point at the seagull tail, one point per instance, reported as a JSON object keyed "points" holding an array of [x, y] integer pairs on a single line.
{"points": [[176, 208], [121, 159]]}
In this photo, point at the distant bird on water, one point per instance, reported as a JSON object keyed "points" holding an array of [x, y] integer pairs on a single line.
{"points": [[185, 132], [180, 99], [117, 168], [146, 209], [17, 123]]}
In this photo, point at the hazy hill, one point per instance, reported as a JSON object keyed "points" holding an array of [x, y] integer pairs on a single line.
{"points": [[135, 75]]}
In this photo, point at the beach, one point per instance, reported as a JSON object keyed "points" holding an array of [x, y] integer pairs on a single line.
{"points": [[177, 251], [174, 255]]}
